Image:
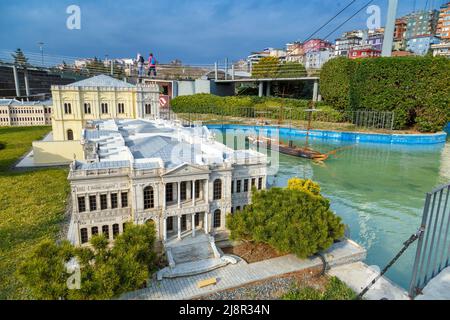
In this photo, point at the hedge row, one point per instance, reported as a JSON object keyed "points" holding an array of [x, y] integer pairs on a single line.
{"points": [[417, 89], [199, 103]]}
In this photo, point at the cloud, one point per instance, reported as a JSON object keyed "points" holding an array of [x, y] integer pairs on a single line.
{"points": [[199, 31]]}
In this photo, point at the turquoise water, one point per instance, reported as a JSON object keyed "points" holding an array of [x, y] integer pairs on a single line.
{"points": [[377, 189]]}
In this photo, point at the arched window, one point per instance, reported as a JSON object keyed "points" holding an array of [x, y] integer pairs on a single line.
{"points": [[217, 194], [217, 218], [105, 231], [69, 134], [149, 199], [115, 230], [84, 235]]}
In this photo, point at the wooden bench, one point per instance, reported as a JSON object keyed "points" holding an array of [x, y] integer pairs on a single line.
{"points": [[208, 282]]}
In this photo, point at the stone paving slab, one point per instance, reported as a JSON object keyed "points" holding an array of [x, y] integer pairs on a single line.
{"points": [[358, 275], [242, 273], [438, 288]]}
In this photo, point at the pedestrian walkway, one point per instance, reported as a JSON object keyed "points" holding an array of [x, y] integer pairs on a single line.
{"points": [[237, 275], [358, 275]]}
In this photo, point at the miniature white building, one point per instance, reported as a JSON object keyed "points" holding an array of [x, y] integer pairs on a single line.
{"points": [[155, 170]]}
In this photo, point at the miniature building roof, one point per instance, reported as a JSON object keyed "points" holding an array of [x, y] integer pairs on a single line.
{"points": [[101, 81], [15, 102], [150, 144]]}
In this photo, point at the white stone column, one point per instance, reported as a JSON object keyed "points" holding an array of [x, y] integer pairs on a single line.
{"points": [[206, 222], [165, 229], [179, 194], [193, 193], [179, 227], [206, 185], [193, 224], [164, 196]]}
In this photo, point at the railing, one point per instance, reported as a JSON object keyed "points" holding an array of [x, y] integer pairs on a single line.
{"points": [[433, 248], [292, 117]]}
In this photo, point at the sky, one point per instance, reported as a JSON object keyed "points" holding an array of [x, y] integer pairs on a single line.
{"points": [[194, 31]]}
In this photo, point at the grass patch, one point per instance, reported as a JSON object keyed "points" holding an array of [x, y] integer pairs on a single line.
{"points": [[334, 289], [32, 205]]}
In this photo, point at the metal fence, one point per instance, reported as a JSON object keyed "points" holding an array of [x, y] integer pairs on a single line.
{"points": [[433, 248], [292, 117]]}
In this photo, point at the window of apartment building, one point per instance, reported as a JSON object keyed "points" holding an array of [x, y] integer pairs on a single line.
{"points": [[103, 202], [149, 198], [217, 189], [84, 235], [148, 109], [94, 231], [104, 107], [183, 222], [169, 192], [87, 108], [197, 219], [238, 186], [114, 201], [197, 189], [246, 185], [121, 108], [92, 203], [105, 231], [81, 204], [67, 108], [169, 222], [183, 188], [124, 198], [217, 219], [260, 182], [69, 135], [115, 230]]}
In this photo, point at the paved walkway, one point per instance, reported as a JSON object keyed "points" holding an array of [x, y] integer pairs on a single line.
{"points": [[438, 288], [242, 273], [358, 275]]}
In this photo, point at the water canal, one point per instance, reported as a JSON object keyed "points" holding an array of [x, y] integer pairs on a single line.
{"points": [[377, 189]]}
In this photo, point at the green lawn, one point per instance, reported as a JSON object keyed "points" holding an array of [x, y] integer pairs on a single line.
{"points": [[333, 289], [32, 206]]}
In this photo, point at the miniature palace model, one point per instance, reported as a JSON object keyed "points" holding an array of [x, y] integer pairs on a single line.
{"points": [[140, 170]]}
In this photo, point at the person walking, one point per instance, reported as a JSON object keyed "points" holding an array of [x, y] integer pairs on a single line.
{"points": [[140, 63], [151, 65]]}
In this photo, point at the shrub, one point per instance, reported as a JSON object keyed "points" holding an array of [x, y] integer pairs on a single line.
{"points": [[105, 272], [416, 89], [267, 67], [296, 219], [335, 289], [335, 82]]}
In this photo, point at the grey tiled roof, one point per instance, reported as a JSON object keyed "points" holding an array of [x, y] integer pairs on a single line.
{"points": [[101, 81], [103, 165]]}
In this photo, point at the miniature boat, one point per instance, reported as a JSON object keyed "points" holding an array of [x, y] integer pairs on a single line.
{"points": [[302, 152]]}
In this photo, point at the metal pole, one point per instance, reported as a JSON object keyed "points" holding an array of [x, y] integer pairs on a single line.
{"points": [[390, 28], [216, 71], [16, 81], [226, 68], [27, 87]]}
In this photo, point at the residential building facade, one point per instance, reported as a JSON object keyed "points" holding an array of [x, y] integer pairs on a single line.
{"points": [[17, 113], [441, 49], [136, 171], [346, 43], [421, 23], [421, 45], [443, 26], [366, 51]]}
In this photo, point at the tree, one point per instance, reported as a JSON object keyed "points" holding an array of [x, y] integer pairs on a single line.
{"points": [[296, 219], [105, 272], [19, 58], [267, 67]]}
